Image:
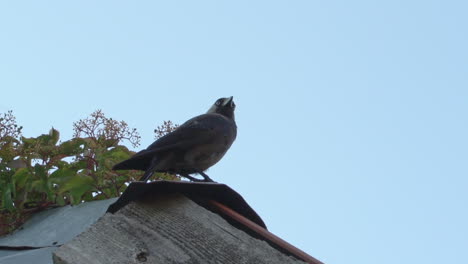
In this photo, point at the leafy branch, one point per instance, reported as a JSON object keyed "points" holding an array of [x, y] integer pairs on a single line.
{"points": [[41, 172]]}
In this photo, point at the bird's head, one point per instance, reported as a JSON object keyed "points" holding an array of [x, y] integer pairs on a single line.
{"points": [[223, 106]]}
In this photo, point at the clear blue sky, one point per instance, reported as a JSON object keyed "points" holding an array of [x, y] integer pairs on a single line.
{"points": [[352, 115]]}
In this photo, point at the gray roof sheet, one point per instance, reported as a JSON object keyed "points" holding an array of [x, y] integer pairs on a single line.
{"points": [[48, 229]]}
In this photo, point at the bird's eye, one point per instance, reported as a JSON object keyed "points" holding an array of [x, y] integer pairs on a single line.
{"points": [[233, 105], [218, 102]]}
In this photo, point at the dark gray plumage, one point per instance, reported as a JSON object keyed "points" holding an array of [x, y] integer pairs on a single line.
{"points": [[193, 147]]}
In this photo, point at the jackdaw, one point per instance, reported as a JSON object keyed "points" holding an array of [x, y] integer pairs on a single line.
{"points": [[193, 147]]}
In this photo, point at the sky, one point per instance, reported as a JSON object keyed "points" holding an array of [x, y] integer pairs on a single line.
{"points": [[352, 115]]}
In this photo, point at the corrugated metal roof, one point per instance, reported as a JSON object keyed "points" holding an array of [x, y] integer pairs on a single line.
{"points": [[47, 229], [39, 256]]}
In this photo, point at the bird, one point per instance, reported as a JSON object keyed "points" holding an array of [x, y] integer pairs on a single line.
{"points": [[191, 148]]}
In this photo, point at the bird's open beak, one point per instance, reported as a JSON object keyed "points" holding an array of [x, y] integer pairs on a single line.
{"points": [[228, 101]]}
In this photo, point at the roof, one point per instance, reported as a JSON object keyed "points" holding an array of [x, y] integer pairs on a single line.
{"points": [[218, 198], [48, 229], [200, 192], [167, 228], [51, 228]]}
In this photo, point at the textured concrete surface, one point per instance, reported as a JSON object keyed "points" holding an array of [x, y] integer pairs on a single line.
{"points": [[168, 229]]}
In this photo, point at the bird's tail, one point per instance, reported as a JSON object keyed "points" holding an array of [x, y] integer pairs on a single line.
{"points": [[133, 163]]}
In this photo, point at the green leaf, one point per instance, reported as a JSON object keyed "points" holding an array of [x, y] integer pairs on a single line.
{"points": [[54, 136], [44, 139], [90, 142], [20, 198], [38, 186], [42, 183], [61, 164], [110, 142], [77, 186], [10, 139], [100, 197], [72, 147], [60, 200], [7, 201], [28, 141], [88, 196], [62, 175], [109, 192], [12, 190], [79, 165], [40, 172], [21, 176], [117, 154], [7, 152]]}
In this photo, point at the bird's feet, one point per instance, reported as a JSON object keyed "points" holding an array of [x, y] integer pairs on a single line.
{"points": [[191, 178], [206, 178]]}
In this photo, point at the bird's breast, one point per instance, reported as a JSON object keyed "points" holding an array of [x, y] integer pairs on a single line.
{"points": [[205, 156], [222, 135]]}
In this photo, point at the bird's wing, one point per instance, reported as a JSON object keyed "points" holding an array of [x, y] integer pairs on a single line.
{"points": [[196, 131]]}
